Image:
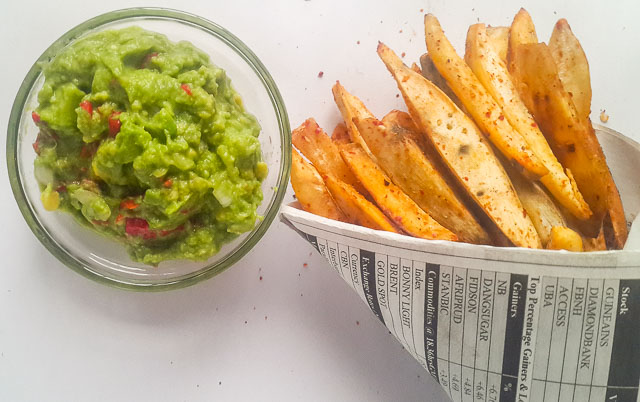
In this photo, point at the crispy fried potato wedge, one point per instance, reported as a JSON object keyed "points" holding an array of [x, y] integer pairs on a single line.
{"points": [[465, 151], [401, 209], [498, 38], [401, 123], [311, 191], [478, 102], [403, 161], [355, 207], [416, 68], [563, 238], [539, 206], [318, 148], [340, 134], [351, 107], [522, 31], [492, 73], [572, 139], [573, 67], [430, 72]]}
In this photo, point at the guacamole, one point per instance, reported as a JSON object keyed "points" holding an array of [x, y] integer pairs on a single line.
{"points": [[146, 141]]}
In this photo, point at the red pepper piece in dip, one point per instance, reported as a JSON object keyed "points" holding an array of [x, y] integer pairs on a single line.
{"points": [[139, 227], [114, 124]]}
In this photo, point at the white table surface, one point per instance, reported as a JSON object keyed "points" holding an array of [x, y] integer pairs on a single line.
{"points": [[299, 333]]}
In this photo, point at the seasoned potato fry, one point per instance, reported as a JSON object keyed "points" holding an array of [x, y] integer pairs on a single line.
{"points": [[572, 139], [401, 209], [482, 107], [573, 67], [493, 74], [464, 150], [340, 134], [498, 38], [416, 68], [311, 191], [539, 206], [356, 208], [316, 146], [351, 107], [403, 161], [401, 123], [430, 72], [522, 31], [563, 238]]}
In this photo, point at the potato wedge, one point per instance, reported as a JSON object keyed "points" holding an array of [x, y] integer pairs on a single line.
{"points": [[478, 102], [430, 72], [402, 124], [522, 31], [573, 67], [356, 208], [401, 209], [464, 150], [539, 206], [340, 134], [403, 161], [572, 139], [416, 68], [563, 238], [318, 148], [351, 107], [311, 191], [493, 74], [498, 38]]}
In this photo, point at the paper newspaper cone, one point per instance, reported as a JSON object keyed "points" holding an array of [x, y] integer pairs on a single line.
{"points": [[500, 324]]}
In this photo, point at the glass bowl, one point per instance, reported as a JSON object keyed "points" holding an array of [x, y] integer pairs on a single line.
{"points": [[105, 260]]}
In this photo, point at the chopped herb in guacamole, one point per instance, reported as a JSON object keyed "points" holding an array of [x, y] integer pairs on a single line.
{"points": [[147, 142]]}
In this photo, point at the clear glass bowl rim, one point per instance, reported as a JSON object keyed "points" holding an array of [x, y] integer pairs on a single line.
{"points": [[163, 14]]}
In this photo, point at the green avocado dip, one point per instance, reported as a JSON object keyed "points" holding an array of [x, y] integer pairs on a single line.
{"points": [[145, 141]]}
